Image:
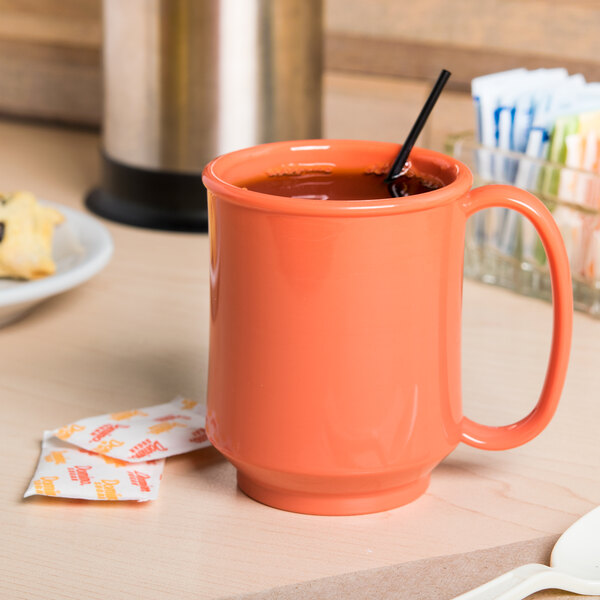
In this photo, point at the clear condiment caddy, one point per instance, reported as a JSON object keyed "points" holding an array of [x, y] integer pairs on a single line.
{"points": [[501, 246]]}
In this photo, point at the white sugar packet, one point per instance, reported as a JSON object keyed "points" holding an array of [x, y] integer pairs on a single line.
{"points": [[66, 471], [142, 434]]}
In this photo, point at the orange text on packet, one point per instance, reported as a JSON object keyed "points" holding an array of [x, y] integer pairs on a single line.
{"points": [[66, 432], [57, 457], [162, 427], [173, 417], [80, 474], [198, 436], [139, 479], [104, 430], [107, 446], [45, 486], [146, 448], [127, 414], [188, 404], [105, 489]]}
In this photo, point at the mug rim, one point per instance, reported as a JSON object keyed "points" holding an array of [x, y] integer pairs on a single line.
{"points": [[214, 177]]}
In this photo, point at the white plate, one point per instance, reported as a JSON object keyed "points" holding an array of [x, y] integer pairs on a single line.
{"points": [[81, 248]]}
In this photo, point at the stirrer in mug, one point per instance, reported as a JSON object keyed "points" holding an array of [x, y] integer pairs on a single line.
{"points": [[401, 165]]}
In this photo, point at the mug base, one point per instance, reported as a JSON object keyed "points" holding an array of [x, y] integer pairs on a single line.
{"points": [[332, 504]]}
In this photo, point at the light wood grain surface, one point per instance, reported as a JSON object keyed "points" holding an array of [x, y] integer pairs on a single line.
{"points": [[137, 335]]}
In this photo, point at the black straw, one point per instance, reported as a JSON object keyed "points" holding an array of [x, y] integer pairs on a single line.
{"points": [[402, 157]]}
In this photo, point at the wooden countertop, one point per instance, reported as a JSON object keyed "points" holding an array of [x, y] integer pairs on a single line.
{"points": [[137, 334]]}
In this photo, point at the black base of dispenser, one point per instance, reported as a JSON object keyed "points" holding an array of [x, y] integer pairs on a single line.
{"points": [[152, 199]]}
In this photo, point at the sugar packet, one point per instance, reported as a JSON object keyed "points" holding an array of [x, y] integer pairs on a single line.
{"points": [[142, 434], [66, 471], [118, 456]]}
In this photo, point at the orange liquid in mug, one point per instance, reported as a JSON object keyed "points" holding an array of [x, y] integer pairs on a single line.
{"points": [[341, 185]]}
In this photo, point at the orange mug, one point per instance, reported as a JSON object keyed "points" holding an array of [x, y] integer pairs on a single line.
{"points": [[334, 381]]}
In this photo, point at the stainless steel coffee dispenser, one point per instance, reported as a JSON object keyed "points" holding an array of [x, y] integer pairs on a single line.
{"points": [[187, 80]]}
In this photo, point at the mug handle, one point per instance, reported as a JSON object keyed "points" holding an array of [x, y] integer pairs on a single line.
{"points": [[510, 436]]}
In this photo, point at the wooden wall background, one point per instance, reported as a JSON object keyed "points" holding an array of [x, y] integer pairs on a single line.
{"points": [[380, 56]]}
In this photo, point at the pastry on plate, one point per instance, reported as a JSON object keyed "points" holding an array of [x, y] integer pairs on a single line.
{"points": [[26, 231]]}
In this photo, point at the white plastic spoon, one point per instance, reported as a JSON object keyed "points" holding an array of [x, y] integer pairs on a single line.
{"points": [[575, 567]]}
